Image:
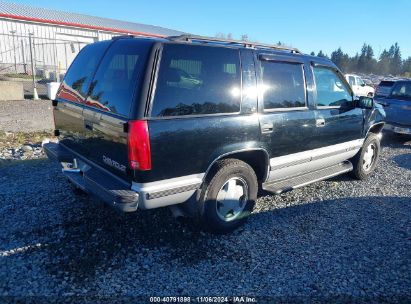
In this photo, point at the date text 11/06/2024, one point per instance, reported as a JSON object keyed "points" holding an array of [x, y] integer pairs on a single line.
{"points": [[182, 299]]}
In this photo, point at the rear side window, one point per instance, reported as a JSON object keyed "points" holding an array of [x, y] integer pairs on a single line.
{"points": [[119, 76], [283, 85], [197, 80], [77, 80], [351, 80], [402, 91], [331, 90]]}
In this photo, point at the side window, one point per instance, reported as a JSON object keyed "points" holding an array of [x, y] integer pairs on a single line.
{"points": [[359, 81], [402, 91], [195, 80], [118, 76], [351, 80], [77, 80], [283, 85], [331, 90]]}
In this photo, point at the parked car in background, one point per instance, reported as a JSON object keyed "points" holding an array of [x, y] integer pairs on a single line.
{"points": [[384, 88], [397, 106], [358, 86], [147, 123]]}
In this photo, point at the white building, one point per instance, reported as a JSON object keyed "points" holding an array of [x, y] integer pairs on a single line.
{"points": [[56, 37]]}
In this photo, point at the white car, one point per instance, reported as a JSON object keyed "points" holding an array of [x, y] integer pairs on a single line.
{"points": [[358, 86]]}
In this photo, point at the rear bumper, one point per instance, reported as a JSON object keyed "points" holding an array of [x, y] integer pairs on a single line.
{"points": [[94, 180], [397, 128]]}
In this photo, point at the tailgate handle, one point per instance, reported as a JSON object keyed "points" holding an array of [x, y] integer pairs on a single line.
{"points": [[89, 126], [320, 122], [267, 128]]}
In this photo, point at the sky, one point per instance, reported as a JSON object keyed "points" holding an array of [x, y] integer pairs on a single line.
{"points": [[309, 25]]}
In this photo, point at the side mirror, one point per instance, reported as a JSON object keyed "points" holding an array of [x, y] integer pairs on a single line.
{"points": [[363, 85], [365, 102]]}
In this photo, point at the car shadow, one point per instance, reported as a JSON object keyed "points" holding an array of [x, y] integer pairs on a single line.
{"points": [[97, 239], [403, 161], [392, 140]]}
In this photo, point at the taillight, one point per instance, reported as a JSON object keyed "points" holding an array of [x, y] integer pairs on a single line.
{"points": [[139, 155]]}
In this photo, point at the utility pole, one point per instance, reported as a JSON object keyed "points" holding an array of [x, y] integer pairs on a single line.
{"points": [[35, 95], [14, 51], [23, 56]]}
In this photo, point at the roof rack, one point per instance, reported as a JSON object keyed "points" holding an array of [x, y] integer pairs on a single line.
{"points": [[122, 37], [248, 44]]}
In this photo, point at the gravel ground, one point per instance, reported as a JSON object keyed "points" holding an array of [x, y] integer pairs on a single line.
{"points": [[337, 240], [23, 115]]}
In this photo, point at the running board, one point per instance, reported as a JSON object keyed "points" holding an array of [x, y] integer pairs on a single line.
{"points": [[288, 184]]}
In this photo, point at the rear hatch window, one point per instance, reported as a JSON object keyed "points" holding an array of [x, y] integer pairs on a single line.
{"points": [[384, 88], [119, 76], [80, 74], [102, 86]]}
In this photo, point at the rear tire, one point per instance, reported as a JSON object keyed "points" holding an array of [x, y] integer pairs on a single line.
{"points": [[228, 196], [367, 158]]}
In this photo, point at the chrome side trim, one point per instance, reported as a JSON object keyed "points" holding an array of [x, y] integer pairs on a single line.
{"points": [[315, 154], [168, 191], [158, 194]]}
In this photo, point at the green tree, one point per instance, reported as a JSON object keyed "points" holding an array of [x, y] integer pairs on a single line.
{"points": [[321, 54], [406, 67], [341, 60], [384, 64], [362, 59], [396, 62]]}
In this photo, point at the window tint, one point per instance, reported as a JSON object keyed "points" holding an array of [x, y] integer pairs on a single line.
{"points": [[197, 80], [119, 76], [351, 80], [331, 90], [402, 91], [386, 83], [283, 85], [77, 80]]}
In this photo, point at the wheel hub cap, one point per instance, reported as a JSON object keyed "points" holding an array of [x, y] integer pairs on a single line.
{"points": [[232, 199], [369, 157]]}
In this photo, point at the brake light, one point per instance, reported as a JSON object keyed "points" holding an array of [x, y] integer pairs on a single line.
{"points": [[139, 154]]}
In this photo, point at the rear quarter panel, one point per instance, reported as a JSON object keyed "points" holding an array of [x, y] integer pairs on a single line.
{"points": [[185, 146]]}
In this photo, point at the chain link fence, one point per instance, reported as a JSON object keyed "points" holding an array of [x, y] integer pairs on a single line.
{"points": [[47, 58]]}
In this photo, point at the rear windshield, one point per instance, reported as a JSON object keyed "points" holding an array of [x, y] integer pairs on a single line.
{"points": [[386, 83], [107, 75], [119, 76], [78, 78]]}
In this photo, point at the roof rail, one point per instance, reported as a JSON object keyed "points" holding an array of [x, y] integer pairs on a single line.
{"points": [[249, 44], [122, 37]]}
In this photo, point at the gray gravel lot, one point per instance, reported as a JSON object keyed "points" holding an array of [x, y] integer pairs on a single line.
{"points": [[340, 239], [23, 115]]}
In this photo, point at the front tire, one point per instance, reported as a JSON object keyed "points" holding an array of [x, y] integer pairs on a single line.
{"points": [[228, 196], [367, 158]]}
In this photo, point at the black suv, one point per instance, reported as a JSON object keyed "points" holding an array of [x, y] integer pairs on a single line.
{"points": [[203, 124]]}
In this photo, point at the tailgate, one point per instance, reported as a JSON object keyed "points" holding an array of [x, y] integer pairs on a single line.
{"points": [[98, 137], [94, 124]]}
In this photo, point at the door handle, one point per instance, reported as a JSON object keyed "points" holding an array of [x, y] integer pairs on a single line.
{"points": [[320, 122], [267, 128]]}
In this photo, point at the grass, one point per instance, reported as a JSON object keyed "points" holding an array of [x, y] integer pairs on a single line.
{"points": [[21, 76], [20, 138]]}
